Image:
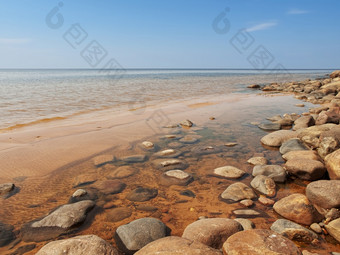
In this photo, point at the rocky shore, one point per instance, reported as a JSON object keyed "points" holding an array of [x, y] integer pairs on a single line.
{"points": [[309, 144]]}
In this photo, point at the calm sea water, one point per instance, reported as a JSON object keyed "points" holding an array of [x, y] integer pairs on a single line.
{"points": [[28, 96]]}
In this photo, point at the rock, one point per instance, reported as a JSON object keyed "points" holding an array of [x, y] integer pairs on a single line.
{"points": [[327, 117], [257, 161], [333, 229], [212, 232], [205, 150], [5, 188], [231, 144], [335, 74], [316, 228], [187, 193], [212, 118], [247, 202], [297, 208], [292, 145], [324, 193], [264, 185], [275, 118], [305, 169], [276, 172], [118, 214], [300, 105], [254, 86], [246, 213], [188, 139], [285, 122], [310, 136], [229, 172], [6, 234], [305, 154], [169, 153], [246, 224], [79, 193], [259, 242], [332, 214], [79, 245], [85, 179], [148, 145], [135, 235], [270, 126], [175, 177], [276, 138], [328, 144], [110, 186], [174, 245], [169, 164], [141, 194], [102, 160], [238, 191], [293, 231], [57, 222], [303, 122], [134, 158], [121, 172], [266, 201], [186, 123], [333, 165]]}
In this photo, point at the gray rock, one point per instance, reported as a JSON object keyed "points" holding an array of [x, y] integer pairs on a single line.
{"points": [[6, 234], [264, 185], [141, 194], [79, 245], [292, 145], [237, 192], [270, 126], [5, 188], [293, 231], [138, 233], [228, 172], [324, 193], [276, 172]]}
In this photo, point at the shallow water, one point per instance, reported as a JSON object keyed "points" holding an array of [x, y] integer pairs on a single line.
{"points": [[38, 196]]}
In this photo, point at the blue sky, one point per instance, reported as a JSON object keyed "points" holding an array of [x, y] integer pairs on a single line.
{"points": [[172, 33]]}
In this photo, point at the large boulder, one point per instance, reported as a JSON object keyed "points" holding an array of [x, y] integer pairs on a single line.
{"points": [[276, 172], [212, 232], [79, 245], [59, 221], [297, 208], [276, 138], [173, 245], [333, 165], [237, 192], [305, 169], [259, 242], [135, 235], [324, 193]]}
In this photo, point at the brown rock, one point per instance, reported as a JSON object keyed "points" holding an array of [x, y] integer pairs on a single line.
{"points": [[259, 242], [266, 201], [333, 229], [120, 172], [303, 122], [276, 138], [333, 165], [335, 74], [305, 169], [110, 186], [324, 193], [305, 154], [237, 192], [264, 185], [212, 232], [118, 214], [297, 208]]}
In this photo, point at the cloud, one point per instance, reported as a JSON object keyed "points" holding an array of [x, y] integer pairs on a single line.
{"points": [[297, 12], [261, 26], [15, 40]]}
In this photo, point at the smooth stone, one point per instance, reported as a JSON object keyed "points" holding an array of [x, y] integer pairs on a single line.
{"points": [[5, 188], [264, 185], [174, 245], [79, 193], [229, 172], [276, 172], [79, 245], [276, 138], [134, 158], [246, 224], [237, 192], [304, 154], [324, 193], [102, 159], [212, 232], [121, 172], [305, 169], [188, 139], [135, 235], [297, 208], [110, 186], [187, 193], [230, 144], [259, 242], [333, 165], [303, 122], [175, 177], [247, 202], [118, 214], [310, 135], [246, 213], [186, 123], [333, 229], [170, 164], [266, 201], [6, 234], [169, 153], [292, 145], [257, 161], [141, 194], [293, 231], [148, 145], [270, 126], [316, 228]]}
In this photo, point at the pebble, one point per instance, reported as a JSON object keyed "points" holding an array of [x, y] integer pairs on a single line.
{"points": [[229, 172], [316, 228], [148, 145], [247, 202], [237, 192], [231, 144], [79, 193], [257, 161]]}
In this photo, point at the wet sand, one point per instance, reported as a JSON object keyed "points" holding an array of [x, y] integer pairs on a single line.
{"points": [[48, 160]]}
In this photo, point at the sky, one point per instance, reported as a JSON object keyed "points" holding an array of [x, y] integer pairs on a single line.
{"points": [[262, 34]]}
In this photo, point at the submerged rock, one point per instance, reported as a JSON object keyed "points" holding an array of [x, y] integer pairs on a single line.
{"points": [[141, 194], [270, 126], [79, 245], [175, 177], [121, 172], [229, 172], [110, 186], [169, 153], [134, 158], [237, 192], [6, 234], [170, 164], [188, 139], [118, 214], [102, 160]]}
